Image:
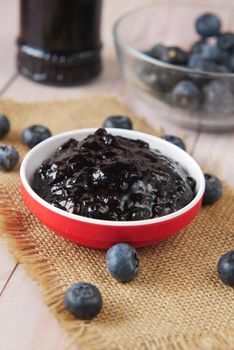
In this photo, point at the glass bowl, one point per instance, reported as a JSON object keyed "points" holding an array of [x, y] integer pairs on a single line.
{"points": [[172, 24]]}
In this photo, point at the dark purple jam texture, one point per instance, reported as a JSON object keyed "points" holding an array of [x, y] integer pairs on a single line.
{"points": [[113, 178]]}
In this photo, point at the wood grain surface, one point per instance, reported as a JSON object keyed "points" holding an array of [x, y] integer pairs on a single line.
{"points": [[25, 323]]}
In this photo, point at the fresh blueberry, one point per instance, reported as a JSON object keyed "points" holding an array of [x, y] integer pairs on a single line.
{"points": [[118, 121], [4, 126], [208, 25], [177, 141], [8, 157], [83, 300], [225, 41], [163, 82], [122, 262], [197, 62], [220, 68], [213, 189], [35, 134], [198, 46], [225, 268], [218, 98], [174, 55], [214, 54], [157, 51], [231, 63], [186, 95], [157, 79]]}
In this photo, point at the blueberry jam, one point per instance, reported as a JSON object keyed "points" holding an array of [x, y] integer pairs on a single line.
{"points": [[113, 178]]}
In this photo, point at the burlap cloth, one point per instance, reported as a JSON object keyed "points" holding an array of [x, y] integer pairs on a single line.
{"points": [[177, 302]]}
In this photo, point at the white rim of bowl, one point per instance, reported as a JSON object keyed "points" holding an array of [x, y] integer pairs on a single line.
{"points": [[154, 61], [123, 132]]}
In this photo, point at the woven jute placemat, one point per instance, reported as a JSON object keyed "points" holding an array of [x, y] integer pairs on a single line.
{"points": [[177, 302]]}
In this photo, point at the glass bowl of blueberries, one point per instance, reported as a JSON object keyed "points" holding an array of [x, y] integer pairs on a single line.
{"points": [[181, 61]]}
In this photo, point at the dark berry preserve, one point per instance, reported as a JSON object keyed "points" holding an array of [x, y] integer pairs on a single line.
{"points": [[113, 178], [59, 41]]}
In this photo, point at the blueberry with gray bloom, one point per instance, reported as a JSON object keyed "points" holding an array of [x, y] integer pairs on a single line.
{"points": [[159, 80], [186, 95], [213, 189], [197, 62], [4, 126], [214, 54], [208, 25], [174, 55], [218, 98], [35, 134], [83, 300], [197, 47], [225, 41], [157, 51], [225, 268], [118, 121], [220, 68], [123, 262], [9, 157], [177, 141], [231, 63]]}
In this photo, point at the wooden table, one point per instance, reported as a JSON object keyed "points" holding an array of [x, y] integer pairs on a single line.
{"points": [[25, 323]]}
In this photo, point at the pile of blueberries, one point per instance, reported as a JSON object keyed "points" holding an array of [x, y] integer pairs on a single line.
{"points": [[213, 52], [84, 300]]}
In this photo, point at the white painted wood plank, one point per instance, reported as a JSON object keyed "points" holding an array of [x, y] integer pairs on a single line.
{"points": [[25, 323], [215, 154], [7, 264], [8, 33]]}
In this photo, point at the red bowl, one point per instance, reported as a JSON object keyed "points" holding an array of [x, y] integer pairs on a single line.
{"points": [[101, 234]]}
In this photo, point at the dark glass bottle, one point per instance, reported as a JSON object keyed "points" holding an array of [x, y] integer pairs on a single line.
{"points": [[59, 41]]}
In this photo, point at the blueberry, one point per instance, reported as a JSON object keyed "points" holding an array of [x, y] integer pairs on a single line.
{"points": [[225, 41], [122, 262], [174, 55], [225, 268], [83, 300], [164, 82], [177, 141], [118, 121], [214, 54], [231, 63], [8, 157], [197, 47], [197, 62], [220, 68], [218, 98], [35, 134], [4, 126], [213, 189], [157, 79], [208, 25], [186, 95], [157, 51]]}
